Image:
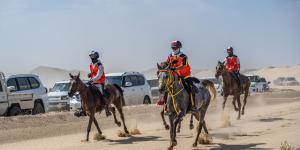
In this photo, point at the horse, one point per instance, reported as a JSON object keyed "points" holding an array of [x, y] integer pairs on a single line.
{"points": [[231, 87], [179, 100], [91, 99]]}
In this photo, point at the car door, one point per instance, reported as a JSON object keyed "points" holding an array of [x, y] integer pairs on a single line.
{"points": [[24, 88], [142, 89], [129, 91], [3, 96]]}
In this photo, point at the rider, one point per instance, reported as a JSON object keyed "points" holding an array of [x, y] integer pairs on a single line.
{"points": [[232, 64], [179, 63], [97, 77]]}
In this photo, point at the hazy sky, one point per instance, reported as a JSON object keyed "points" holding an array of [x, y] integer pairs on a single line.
{"points": [[135, 34]]}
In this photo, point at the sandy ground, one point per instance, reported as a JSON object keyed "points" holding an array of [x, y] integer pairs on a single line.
{"points": [[270, 119]]}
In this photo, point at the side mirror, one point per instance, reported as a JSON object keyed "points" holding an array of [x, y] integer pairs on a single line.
{"points": [[11, 89], [128, 84]]}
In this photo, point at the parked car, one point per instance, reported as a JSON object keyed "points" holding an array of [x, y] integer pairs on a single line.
{"points": [[258, 84], [135, 87], [58, 98], [217, 83], [286, 81], [22, 94], [154, 89]]}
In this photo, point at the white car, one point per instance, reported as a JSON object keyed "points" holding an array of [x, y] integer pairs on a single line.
{"points": [[29, 84], [58, 98], [258, 84], [135, 87]]}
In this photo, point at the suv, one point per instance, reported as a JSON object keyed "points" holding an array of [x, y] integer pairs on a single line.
{"points": [[258, 84], [135, 87], [58, 98], [30, 84]]}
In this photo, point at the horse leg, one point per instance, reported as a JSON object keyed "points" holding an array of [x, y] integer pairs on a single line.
{"points": [[171, 118], [191, 122], [204, 127], [239, 104], [167, 127], [97, 126], [199, 128], [233, 103], [179, 126], [224, 100], [120, 110], [89, 127], [113, 110], [245, 101]]}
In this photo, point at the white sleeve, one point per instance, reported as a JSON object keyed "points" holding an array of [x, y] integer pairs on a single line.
{"points": [[99, 73]]}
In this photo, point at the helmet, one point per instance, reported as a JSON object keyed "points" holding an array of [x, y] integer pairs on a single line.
{"points": [[176, 44], [94, 55], [230, 49]]}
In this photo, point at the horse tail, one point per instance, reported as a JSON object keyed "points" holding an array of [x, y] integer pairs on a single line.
{"points": [[211, 87], [121, 94]]}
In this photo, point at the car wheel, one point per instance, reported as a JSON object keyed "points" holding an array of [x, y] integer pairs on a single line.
{"points": [[38, 109], [147, 100], [14, 111]]}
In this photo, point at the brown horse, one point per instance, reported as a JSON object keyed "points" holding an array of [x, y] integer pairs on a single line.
{"points": [[91, 102], [231, 87]]}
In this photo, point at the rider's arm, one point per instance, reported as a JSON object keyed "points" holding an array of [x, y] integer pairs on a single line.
{"points": [[183, 64], [99, 73]]}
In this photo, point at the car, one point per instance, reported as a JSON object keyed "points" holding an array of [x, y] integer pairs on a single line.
{"points": [[58, 98], [279, 81], [258, 84], [134, 85], [154, 89], [28, 84], [75, 102], [286, 81]]}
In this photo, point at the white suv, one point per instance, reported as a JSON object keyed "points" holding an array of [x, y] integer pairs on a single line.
{"points": [[135, 87], [58, 98], [30, 84]]}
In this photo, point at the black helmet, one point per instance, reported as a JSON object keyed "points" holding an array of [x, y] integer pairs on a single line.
{"points": [[176, 44], [229, 49], [94, 55]]}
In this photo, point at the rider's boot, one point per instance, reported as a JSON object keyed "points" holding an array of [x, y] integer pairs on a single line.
{"points": [[80, 113], [192, 97]]}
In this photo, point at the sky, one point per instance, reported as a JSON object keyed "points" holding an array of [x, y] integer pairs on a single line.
{"points": [[133, 35]]}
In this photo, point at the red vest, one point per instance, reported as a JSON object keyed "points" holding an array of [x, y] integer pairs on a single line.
{"points": [[186, 71], [94, 70], [232, 64]]}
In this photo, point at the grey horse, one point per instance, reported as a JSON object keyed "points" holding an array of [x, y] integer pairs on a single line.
{"points": [[178, 101]]}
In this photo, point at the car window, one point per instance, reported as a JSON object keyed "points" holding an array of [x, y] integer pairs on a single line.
{"points": [[23, 84], [34, 83], [134, 80], [61, 87], [126, 79], [114, 80], [12, 82], [141, 80], [1, 89]]}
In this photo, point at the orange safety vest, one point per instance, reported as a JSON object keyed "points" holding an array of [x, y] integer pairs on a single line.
{"points": [[94, 70], [186, 71], [232, 63]]}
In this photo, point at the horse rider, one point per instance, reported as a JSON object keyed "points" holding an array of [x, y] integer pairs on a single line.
{"points": [[232, 64], [178, 62], [97, 78]]}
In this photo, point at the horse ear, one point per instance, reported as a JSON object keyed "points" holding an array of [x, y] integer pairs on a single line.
{"points": [[219, 62], [71, 76], [158, 66], [78, 74]]}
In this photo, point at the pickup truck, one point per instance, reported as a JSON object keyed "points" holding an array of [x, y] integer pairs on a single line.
{"points": [[12, 104]]}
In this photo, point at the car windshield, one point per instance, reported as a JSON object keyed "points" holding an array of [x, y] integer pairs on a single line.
{"points": [[263, 80], [60, 87], [114, 80], [290, 79]]}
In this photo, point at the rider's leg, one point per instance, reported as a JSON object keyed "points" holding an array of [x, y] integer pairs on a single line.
{"points": [[191, 89], [105, 98]]}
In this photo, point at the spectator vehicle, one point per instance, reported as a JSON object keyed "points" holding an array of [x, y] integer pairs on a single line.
{"points": [[258, 84], [58, 98], [135, 87], [22, 94], [286, 81]]}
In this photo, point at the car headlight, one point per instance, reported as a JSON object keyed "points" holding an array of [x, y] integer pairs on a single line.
{"points": [[64, 97]]}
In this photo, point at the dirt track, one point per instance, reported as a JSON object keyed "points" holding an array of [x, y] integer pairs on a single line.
{"points": [[270, 119]]}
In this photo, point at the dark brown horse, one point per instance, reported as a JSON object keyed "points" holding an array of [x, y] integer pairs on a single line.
{"points": [[91, 99], [231, 87]]}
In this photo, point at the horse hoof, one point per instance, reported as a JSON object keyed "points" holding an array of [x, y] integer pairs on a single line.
{"points": [[119, 124], [167, 127], [236, 109], [98, 137], [195, 145], [84, 141], [178, 131], [170, 148], [191, 127]]}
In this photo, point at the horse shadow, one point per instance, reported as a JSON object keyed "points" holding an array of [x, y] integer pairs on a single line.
{"points": [[236, 147], [134, 139]]}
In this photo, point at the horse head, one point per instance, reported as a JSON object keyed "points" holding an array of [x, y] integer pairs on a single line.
{"points": [[220, 69], [164, 75], [74, 84]]}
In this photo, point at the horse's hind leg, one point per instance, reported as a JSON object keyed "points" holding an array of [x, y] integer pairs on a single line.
{"points": [[191, 122], [239, 104], [233, 103], [167, 127], [224, 100], [179, 126], [245, 101], [113, 110], [199, 128], [120, 110]]}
